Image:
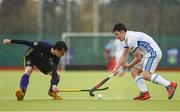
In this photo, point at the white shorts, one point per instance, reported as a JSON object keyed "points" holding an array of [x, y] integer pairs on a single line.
{"points": [[148, 64]]}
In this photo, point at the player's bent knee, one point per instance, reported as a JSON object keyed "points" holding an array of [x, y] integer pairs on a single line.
{"points": [[147, 75], [135, 72], [28, 70]]}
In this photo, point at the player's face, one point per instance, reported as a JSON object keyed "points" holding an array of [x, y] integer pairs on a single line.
{"points": [[119, 35], [58, 53]]}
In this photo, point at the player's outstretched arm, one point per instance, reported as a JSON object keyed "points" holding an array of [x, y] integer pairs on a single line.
{"points": [[6, 41], [24, 42]]}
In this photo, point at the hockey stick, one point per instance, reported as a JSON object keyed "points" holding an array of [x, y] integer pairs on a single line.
{"points": [[81, 90], [104, 81]]}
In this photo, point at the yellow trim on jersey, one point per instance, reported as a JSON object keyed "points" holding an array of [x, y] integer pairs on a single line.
{"points": [[50, 73], [29, 51], [24, 61]]}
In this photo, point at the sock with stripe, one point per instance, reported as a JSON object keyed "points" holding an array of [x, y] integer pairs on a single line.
{"points": [[159, 80], [141, 84]]}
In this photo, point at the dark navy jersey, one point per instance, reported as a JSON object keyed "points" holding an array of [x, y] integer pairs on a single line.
{"points": [[41, 52]]}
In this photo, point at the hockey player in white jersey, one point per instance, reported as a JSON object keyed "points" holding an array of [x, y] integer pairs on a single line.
{"points": [[147, 56]]}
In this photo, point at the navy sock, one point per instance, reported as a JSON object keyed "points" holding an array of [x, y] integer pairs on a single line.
{"points": [[24, 82]]}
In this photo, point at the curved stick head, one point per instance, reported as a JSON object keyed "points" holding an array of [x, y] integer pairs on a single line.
{"points": [[91, 93]]}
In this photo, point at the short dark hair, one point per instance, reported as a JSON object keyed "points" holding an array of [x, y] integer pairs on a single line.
{"points": [[119, 27], [61, 45]]}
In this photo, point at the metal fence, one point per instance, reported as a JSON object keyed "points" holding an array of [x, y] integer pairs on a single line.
{"points": [[53, 17], [48, 19]]}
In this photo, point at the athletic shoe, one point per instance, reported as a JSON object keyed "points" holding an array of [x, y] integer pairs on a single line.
{"points": [[143, 96], [54, 95], [19, 95], [171, 89]]}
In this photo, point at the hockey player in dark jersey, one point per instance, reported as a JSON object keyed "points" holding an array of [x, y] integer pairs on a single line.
{"points": [[45, 57]]}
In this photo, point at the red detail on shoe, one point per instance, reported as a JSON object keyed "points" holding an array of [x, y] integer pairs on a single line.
{"points": [[143, 96], [20, 95], [171, 89]]}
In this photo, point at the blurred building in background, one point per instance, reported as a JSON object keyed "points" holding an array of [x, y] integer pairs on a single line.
{"points": [[49, 19]]}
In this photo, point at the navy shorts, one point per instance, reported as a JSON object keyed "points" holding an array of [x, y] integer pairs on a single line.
{"points": [[32, 58], [44, 67]]}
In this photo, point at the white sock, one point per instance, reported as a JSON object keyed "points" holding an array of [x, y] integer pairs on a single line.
{"points": [[141, 84], [159, 80]]}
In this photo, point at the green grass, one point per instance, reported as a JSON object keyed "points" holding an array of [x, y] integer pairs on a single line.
{"points": [[117, 98]]}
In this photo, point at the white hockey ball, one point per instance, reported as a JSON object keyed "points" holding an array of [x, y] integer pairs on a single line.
{"points": [[99, 96]]}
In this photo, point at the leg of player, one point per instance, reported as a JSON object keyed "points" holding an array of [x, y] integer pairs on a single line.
{"points": [[157, 79], [144, 94], [54, 94], [149, 68], [20, 93]]}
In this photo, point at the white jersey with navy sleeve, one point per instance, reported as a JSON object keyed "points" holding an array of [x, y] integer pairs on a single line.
{"points": [[149, 49], [145, 43]]}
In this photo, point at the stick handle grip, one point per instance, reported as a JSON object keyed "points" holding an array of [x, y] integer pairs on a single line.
{"points": [[119, 70]]}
